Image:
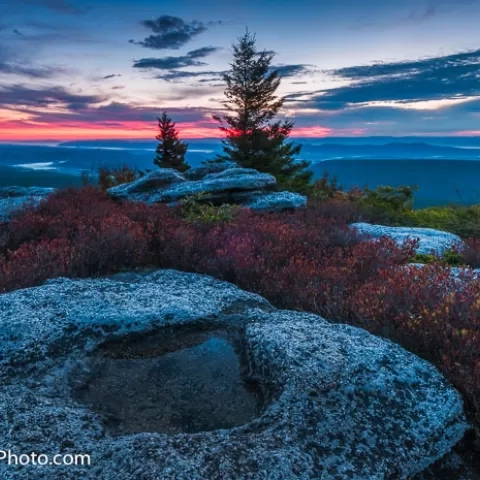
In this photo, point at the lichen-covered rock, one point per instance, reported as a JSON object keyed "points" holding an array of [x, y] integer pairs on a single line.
{"points": [[218, 183], [277, 201], [342, 404], [13, 198], [197, 173], [141, 188], [430, 240]]}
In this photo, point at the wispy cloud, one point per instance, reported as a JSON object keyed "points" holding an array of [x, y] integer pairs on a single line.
{"points": [[19, 95], [171, 32], [450, 77], [29, 70], [182, 74], [171, 63], [294, 70]]}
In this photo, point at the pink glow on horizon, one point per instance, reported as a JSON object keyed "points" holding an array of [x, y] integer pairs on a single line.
{"points": [[468, 133], [23, 131]]}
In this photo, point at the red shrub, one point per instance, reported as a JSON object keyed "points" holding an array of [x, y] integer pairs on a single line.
{"points": [[472, 253], [307, 260]]}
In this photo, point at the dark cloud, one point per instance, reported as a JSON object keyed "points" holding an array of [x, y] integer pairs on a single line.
{"points": [[449, 77], [114, 114], [113, 75], [172, 63], [294, 70], [171, 32], [203, 52], [29, 71], [19, 95], [180, 75], [168, 63], [118, 87]]}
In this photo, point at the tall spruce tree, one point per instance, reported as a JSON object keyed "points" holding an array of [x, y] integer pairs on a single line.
{"points": [[253, 138], [170, 151]]}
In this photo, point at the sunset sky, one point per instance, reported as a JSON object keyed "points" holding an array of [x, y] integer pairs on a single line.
{"points": [[87, 69]]}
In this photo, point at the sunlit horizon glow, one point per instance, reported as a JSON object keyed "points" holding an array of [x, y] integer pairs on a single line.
{"points": [[137, 131]]}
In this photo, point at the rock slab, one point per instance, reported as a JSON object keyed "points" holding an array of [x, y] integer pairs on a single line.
{"points": [[431, 240], [217, 183], [13, 199], [343, 404]]}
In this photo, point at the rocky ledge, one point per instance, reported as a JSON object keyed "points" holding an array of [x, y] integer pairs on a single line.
{"points": [[430, 240], [318, 400], [218, 183], [14, 198]]}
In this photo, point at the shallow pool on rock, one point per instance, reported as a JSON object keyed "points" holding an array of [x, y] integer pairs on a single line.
{"points": [[178, 381]]}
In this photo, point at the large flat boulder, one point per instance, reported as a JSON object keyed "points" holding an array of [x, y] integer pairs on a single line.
{"points": [[142, 188], [78, 356], [430, 240], [217, 183], [276, 201], [14, 198], [197, 173]]}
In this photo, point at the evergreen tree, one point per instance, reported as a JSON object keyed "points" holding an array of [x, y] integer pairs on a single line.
{"points": [[253, 138], [170, 152]]}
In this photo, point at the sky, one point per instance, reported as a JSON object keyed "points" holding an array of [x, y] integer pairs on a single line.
{"points": [[94, 69]]}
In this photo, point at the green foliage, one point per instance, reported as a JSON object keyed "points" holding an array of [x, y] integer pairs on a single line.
{"points": [[253, 139], [325, 188], [111, 177], [453, 258], [194, 209], [170, 151], [461, 220], [423, 258], [388, 204]]}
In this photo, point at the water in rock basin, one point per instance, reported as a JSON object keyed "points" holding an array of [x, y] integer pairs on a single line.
{"points": [[171, 383]]}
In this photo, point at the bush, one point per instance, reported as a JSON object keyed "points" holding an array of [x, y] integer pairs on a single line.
{"points": [[324, 188], [472, 252], [308, 260], [108, 178], [388, 205], [463, 221], [193, 209]]}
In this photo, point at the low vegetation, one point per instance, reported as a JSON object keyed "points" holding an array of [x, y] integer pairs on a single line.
{"points": [[307, 260]]}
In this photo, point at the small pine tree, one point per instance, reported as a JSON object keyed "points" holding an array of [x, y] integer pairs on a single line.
{"points": [[170, 151], [253, 139]]}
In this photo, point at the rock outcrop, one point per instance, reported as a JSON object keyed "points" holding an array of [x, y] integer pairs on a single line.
{"points": [[430, 240], [338, 403], [218, 183], [14, 198]]}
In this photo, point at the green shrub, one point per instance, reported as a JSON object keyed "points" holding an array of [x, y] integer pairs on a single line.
{"points": [[453, 258], [324, 188], [461, 220], [388, 204], [423, 258], [195, 209], [111, 177]]}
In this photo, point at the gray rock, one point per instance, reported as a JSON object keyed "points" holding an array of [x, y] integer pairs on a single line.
{"points": [[217, 184], [276, 201], [140, 189], [197, 173], [431, 240], [14, 198], [341, 402]]}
